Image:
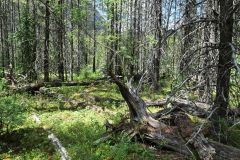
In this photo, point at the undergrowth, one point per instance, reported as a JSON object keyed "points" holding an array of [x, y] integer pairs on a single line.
{"points": [[77, 129]]}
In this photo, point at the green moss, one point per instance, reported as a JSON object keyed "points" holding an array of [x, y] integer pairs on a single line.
{"points": [[233, 134], [87, 74], [76, 129], [123, 148], [28, 141]]}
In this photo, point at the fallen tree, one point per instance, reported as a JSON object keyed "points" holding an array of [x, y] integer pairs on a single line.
{"points": [[34, 87], [30, 88], [69, 84], [198, 109], [182, 137], [99, 99], [74, 104], [160, 103]]}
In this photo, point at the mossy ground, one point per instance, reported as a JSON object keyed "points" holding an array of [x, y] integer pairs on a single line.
{"points": [[77, 129]]}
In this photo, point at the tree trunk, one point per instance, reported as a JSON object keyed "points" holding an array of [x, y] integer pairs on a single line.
{"points": [[225, 60], [2, 40], [72, 46], [205, 92], [35, 43], [94, 36], [137, 106], [111, 53], [60, 42], [46, 43], [188, 38], [158, 46], [6, 34]]}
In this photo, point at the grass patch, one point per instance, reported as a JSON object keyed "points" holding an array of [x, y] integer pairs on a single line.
{"points": [[76, 129], [26, 142]]}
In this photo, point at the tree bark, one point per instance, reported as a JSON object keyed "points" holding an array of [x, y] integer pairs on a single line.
{"points": [[72, 45], [35, 43], [136, 105], [46, 42], [60, 42], [225, 60], [188, 38], [158, 46], [94, 36]]}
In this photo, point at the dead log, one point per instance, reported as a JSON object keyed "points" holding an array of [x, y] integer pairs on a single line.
{"points": [[30, 88], [73, 103], [10, 78], [160, 103], [58, 83], [164, 112], [62, 98], [194, 108], [198, 109], [180, 103], [173, 142], [224, 152], [99, 99], [177, 137], [69, 84]]}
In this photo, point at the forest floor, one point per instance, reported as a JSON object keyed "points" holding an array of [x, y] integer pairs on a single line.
{"points": [[77, 128]]}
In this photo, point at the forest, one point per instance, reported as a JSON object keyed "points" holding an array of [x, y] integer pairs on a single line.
{"points": [[119, 79]]}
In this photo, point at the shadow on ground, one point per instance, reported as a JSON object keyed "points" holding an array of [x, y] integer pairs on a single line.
{"points": [[24, 140]]}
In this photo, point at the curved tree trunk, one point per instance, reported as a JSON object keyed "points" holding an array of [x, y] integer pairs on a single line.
{"points": [[136, 105]]}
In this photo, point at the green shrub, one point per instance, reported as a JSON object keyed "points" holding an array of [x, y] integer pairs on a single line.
{"points": [[86, 74], [11, 114], [3, 85], [233, 136], [121, 147]]}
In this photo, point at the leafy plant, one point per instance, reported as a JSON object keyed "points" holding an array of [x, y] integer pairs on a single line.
{"points": [[3, 85], [87, 74], [11, 114], [121, 147]]}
